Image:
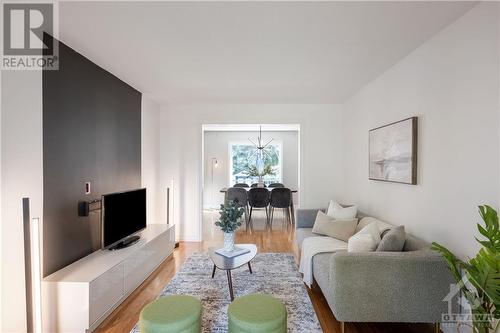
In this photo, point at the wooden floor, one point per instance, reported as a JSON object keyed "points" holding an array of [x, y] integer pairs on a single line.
{"points": [[278, 240]]}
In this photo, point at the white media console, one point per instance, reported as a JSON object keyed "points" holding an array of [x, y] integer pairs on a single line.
{"points": [[77, 298]]}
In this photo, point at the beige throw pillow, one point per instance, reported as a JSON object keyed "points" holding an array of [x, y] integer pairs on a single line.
{"points": [[337, 228]]}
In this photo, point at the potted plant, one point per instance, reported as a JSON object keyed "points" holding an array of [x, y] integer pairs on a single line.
{"points": [[253, 171], [229, 221], [482, 272]]}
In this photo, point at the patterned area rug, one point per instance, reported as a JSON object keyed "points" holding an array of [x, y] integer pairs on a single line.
{"points": [[273, 273]]}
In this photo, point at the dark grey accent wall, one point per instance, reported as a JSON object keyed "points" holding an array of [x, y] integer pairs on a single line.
{"points": [[91, 132]]}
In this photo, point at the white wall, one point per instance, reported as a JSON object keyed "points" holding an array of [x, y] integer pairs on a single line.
{"points": [[150, 155], [216, 146], [181, 137], [21, 176], [451, 83]]}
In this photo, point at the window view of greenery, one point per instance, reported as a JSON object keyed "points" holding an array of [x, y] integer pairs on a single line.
{"points": [[244, 156]]}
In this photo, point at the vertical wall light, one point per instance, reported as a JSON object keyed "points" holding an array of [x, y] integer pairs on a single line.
{"points": [[172, 199], [168, 205], [36, 275], [171, 210], [32, 269], [27, 264]]}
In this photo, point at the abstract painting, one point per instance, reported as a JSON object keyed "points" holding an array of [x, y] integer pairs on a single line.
{"points": [[393, 152]]}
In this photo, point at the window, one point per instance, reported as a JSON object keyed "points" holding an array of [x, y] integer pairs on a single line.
{"points": [[243, 154]]}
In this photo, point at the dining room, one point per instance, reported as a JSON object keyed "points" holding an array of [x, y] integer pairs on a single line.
{"points": [[245, 163]]}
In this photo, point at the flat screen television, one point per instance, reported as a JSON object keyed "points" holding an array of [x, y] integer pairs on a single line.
{"points": [[123, 215]]}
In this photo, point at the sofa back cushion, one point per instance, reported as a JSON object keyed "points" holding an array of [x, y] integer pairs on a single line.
{"points": [[382, 226], [413, 243]]}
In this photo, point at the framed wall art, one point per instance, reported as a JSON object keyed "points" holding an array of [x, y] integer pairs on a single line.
{"points": [[393, 152]]}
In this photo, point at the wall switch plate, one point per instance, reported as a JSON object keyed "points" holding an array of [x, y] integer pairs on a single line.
{"points": [[87, 187]]}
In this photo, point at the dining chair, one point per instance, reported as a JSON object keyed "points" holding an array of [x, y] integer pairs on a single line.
{"points": [[241, 185], [281, 197], [256, 185], [239, 196], [274, 185], [258, 197]]}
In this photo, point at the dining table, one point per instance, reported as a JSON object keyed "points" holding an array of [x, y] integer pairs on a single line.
{"points": [[292, 209]]}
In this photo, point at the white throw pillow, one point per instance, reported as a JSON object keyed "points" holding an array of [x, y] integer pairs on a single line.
{"points": [[365, 240], [361, 243], [338, 212], [337, 228]]}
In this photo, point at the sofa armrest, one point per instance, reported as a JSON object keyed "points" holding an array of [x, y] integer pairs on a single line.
{"points": [[389, 286], [306, 217]]}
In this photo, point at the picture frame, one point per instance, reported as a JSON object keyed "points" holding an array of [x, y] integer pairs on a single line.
{"points": [[392, 152]]}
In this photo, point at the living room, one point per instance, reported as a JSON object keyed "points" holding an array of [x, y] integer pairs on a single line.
{"points": [[350, 145]]}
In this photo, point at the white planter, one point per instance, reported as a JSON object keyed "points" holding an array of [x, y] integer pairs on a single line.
{"points": [[261, 182], [229, 241]]}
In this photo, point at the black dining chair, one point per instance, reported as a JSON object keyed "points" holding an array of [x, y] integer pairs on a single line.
{"points": [[258, 197], [241, 185], [274, 185], [256, 185], [281, 197], [239, 196]]}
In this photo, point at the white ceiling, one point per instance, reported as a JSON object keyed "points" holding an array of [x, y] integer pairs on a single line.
{"points": [[251, 52]]}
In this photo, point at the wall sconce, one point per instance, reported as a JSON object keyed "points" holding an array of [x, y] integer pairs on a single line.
{"points": [[215, 165]]}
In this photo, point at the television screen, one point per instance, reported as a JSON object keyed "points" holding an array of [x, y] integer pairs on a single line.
{"points": [[123, 214]]}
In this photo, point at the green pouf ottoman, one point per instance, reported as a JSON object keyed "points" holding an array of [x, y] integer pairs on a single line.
{"points": [[171, 314], [257, 314]]}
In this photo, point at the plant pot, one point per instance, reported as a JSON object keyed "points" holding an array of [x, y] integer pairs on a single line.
{"points": [[261, 182], [229, 241]]}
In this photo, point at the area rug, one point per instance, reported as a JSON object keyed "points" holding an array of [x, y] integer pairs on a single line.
{"points": [[275, 274]]}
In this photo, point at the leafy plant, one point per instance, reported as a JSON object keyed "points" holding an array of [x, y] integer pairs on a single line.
{"points": [[230, 214], [252, 171], [482, 272]]}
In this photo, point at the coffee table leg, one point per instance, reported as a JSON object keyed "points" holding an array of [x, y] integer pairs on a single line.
{"points": [[213, 272], [230, 282], [250, 268]]}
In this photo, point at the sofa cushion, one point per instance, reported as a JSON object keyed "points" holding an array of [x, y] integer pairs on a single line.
{"points": [[337, 211], [365, 240], [337, 228], [413, 243], [382, 226], [303, 233], [393, 240]]}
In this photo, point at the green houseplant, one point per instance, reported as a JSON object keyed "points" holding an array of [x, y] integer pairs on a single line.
{"points": [[253, 171], [482, 272], [229, 221]]}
